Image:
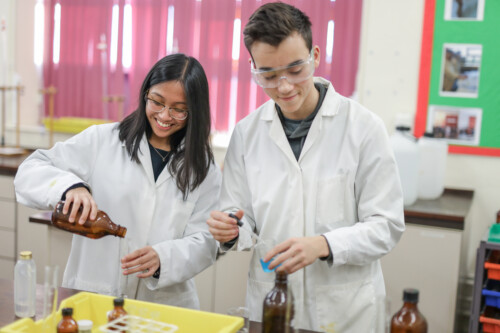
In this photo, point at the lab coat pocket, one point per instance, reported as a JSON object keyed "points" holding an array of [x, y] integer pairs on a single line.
{"points": [[346, 308], [180, 216], [330, 200]]}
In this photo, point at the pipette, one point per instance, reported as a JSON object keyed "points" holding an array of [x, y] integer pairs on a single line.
{"points": [[240, 224]]}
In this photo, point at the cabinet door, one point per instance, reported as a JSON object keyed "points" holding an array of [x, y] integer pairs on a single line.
{"points": [[7, 268], [32, 237], [426, 258], [205, 282], [7, 188], [231, 280], [8, 214]]}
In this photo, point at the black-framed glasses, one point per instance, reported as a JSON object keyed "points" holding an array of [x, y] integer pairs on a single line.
{"points": [[157, 107]]}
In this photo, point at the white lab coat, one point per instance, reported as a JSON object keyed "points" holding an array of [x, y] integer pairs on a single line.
{"points": [[154, 213], [345, 186]]}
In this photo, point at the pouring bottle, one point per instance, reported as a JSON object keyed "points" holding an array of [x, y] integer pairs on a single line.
{"points": [[100, 227]]}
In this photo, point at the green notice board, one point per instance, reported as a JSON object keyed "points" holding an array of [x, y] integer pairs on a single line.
{"points": [[459, 88]]}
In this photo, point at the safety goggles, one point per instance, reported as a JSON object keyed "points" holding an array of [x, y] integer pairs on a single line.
{"points": [[293, 73]]}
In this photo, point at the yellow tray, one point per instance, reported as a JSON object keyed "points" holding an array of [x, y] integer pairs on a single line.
{"points": [[95, 307], [72, 124]]}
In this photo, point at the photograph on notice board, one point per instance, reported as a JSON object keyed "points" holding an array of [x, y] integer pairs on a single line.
{"points": [[464, 10], [458, 125], [460, 70]]}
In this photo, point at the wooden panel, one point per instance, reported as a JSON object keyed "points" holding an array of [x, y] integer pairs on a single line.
{"points": [[7, 214], [205, 282], [7, 187], [59, 248], [426, 258], [7, 243], [231, 280], [33, 236], [6, 270]]}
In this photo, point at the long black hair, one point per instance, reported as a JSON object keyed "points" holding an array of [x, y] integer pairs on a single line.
{"points": [[190, 147]]}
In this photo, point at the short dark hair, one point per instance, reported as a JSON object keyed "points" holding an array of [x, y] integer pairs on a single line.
{"points": [[274, 22], [191, 159]]}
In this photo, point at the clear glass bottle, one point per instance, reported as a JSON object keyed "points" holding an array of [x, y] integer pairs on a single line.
{"points": [[408, 319], [100, 227], [67, 323], [117, 312], [278, 310], [25, 285]]}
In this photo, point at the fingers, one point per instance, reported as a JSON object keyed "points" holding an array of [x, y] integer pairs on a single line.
{"points": [[222, 227], [296, 253], [144, 261], [80, 197], [239, 214]]}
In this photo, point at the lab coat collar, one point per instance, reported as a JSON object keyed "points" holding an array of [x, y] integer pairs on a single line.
{"points": [[329, 108]]}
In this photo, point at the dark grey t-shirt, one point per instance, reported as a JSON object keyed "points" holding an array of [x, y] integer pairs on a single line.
{"points": [[296, 130]]}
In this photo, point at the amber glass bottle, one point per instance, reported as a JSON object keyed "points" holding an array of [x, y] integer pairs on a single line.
{"points": [[278, 311], [408, 319], [67, 323], [117, 312], [100, 227]]}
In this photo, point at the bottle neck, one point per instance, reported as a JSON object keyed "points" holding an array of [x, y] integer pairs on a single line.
{"points": [[410, 305], [281, 279]]}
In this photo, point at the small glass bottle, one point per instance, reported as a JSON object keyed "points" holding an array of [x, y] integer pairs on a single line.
{"points": [[278, 309], [408, 319], [67, 323], [100, 227], [117, 312], [25, 285]]}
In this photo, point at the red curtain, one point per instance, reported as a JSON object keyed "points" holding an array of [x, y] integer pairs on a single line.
{"points": [[203, 29]]}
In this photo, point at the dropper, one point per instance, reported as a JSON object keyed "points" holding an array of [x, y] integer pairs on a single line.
{"points": [[240, 224]]}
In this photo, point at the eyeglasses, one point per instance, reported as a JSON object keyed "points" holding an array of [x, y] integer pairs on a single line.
{"points": [[157, 107], [294, 73]]}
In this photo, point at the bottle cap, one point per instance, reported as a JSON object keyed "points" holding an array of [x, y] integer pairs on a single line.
{"points": [[85, 324], [118, 301], [67, 311], [26, 255], [410, 295]]}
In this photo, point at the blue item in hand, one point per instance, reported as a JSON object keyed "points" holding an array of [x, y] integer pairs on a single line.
{"points": [[265, 265]]}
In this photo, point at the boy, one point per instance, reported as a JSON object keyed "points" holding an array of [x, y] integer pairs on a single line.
{"points": [[313, 171]]}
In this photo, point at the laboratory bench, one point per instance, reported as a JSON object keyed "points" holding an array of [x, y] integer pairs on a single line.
{"points": [[427, 257], [7, 315]]}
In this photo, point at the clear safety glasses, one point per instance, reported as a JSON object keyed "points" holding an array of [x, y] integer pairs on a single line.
{"points": [[294, 73], [157, 107]]}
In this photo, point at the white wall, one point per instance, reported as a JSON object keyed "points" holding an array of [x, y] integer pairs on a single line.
{"points": [[387, 84]]}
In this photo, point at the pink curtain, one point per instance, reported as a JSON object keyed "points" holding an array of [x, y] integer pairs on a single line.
{"points": [[203, 29], [78, 74]]}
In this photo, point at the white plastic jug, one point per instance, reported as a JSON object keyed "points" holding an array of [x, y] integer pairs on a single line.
{"points": [[405, 150], [433, 153]]}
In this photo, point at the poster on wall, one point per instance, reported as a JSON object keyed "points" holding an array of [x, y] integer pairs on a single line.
{"points": [[460, 70], [457, 125], [460, 37], [464, 10]]}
